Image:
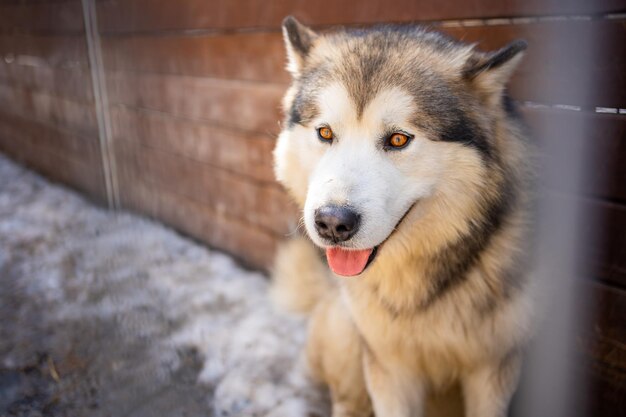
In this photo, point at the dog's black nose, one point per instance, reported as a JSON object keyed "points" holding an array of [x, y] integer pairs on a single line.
{"points": [[336, 223]]}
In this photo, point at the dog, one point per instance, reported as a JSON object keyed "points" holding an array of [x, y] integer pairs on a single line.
{"points": [[414, 174]]}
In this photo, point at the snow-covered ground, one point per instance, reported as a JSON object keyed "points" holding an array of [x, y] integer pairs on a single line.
{"points": [[110, 314]]}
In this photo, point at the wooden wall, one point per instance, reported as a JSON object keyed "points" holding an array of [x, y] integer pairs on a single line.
{"points": [[194, 120], [193, 90], [47, 114]]}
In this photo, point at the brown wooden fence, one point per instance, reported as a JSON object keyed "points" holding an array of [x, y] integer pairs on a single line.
{"points": [[47, 113], [171, 108]]}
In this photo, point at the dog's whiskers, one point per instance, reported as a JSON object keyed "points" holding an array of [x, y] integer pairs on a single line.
{"points": [[300, 227]]}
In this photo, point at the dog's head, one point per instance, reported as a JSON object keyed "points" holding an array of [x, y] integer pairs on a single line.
{"points": [[387, 128]]}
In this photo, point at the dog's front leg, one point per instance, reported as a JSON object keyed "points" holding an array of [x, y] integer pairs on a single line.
{"points": [[488, 389], [393, 392]]}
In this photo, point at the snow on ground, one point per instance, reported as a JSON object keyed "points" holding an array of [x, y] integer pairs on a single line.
{"points": [[110, 314]]}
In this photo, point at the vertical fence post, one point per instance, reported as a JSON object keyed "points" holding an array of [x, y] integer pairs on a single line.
{"points": [[98, 83]]}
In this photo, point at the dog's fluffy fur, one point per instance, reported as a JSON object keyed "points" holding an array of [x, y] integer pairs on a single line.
{"points": [[445, 305]]}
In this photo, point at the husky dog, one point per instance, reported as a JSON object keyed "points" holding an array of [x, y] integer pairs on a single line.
{"points": [[413, 173]]}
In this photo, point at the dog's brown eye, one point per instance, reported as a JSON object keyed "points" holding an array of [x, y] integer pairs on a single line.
{"points": [[325, 133], [398, 140]]}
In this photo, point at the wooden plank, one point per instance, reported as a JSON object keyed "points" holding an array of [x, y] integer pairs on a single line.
{"points": [[67, 51], [608, 253], [249, 154], [65, 82], [240, 105], [50, 109], [562, 65], [598, 141], [244, 56], [600, 233], [17, 130], [73, 173], [258, 204], [263, 205], [254, 246], [59, 155], [65, 17], [58, 2], [602, 145], [604, 344], [157, 15]]}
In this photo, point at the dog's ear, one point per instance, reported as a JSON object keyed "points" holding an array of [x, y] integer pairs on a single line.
{"points": [[299, 40], [490, 72]]}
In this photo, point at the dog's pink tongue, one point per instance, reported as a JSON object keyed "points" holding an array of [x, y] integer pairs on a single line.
{"points": [[347, 262]]}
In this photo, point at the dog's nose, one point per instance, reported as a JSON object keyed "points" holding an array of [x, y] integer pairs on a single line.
{"points": [[336, 223]]}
